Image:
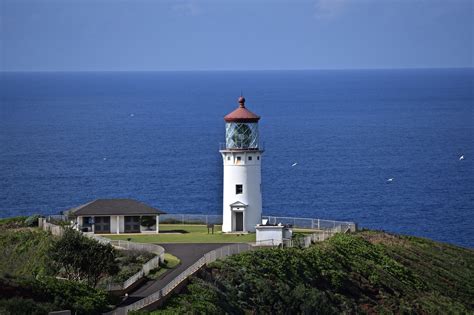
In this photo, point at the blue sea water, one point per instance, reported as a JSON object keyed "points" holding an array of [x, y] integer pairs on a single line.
{"points": [[68, 138]]}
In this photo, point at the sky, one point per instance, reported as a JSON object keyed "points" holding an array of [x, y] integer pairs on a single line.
{"points": [[146, 35]]}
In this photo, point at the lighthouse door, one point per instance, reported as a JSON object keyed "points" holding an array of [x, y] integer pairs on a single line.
{"points": [[239, 221]]}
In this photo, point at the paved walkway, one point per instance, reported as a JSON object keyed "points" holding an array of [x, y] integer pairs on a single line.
{"points": [[187, 253]]}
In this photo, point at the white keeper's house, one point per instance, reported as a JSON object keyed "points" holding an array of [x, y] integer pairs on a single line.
{"points": [[115, 216], [242, 158]]}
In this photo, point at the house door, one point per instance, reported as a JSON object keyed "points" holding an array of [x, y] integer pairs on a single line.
{"points": [[239, 221]]}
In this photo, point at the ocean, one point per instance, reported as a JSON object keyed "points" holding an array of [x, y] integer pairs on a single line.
{"points": [[69, 138]]}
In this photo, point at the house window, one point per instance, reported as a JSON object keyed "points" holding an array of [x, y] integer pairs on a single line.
{"points": [[102, 224], [132, 224], [239, 189], [86, 221], [250, 158], [238, 158]]}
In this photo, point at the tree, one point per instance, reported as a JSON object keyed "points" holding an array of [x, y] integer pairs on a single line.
{"points": [[148, 221], [83, 259]]}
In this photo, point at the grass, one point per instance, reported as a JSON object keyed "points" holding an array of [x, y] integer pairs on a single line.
{"points": [[177, 233], [24, 251], [11, 223], [170, 263], [367, 272]]}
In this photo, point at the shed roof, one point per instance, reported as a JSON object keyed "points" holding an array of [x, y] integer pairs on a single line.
{"points": [[113, 207]]}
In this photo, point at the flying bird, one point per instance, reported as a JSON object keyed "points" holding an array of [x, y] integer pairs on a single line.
{"points": [[390, 180], [132, 115], [294, 164], [461, 158]]}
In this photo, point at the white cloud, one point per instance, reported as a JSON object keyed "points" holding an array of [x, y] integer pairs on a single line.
{"points": [[187, 8], [328, 9]]}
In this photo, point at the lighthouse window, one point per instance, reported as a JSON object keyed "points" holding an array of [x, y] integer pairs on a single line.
{"points": [[228, 158], [250, 158], [238, 158], [239, 189], [258, 157]]}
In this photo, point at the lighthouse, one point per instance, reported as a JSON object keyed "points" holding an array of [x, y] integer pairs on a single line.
{"points": [[242, 158]]}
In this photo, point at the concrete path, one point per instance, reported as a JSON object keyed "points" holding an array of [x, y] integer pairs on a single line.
{"points": [[188, 254]]}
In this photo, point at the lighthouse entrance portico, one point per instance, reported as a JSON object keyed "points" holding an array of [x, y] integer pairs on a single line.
{"points": [[238, 216]]}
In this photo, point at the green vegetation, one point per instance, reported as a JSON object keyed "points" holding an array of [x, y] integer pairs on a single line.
{"points": [[175, 233], [147, 221], [170, 262], [27, 275], [24, 251], [27, 295], [366, 272], [129, 262], [83, 259], [13, 223]]}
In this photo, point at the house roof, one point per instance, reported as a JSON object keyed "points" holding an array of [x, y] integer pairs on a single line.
{"points": [[242, 114], [113, 207]]}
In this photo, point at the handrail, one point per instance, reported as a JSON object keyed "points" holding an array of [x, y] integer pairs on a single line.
{"points": [[146, 268], [205, 259]]}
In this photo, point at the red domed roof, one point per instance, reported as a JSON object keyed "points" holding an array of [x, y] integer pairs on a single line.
{"points": [[241, 114]]}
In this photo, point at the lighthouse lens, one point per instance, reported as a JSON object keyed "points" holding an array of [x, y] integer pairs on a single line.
{"points": [[242, 136]]}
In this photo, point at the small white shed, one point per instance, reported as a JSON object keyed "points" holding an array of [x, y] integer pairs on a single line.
{"points": [[273, 235]]}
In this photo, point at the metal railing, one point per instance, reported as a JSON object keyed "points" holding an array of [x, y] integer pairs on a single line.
{"points": [[310, 223], [304, 223], [225, 147], [57, 217], [191, 219], [206, 259]]}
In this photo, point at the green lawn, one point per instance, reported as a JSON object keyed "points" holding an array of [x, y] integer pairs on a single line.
{"points": [[170, 263], [177, 233]]}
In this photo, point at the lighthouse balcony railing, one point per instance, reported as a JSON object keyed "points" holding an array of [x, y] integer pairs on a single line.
{"points": [[223, 146]]}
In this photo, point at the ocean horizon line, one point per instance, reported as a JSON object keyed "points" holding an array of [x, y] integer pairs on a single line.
{"points": [[241, 70]]}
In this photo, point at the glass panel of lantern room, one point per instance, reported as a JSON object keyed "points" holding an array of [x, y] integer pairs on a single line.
{"points": [[241, 135]]}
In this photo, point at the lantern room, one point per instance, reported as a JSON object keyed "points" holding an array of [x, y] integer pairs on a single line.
{"points": [[241, 131]]}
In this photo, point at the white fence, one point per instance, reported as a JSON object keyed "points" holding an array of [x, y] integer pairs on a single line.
{"points": [[191, 218], [206, 259], [309, 223], [304, 223], [54, 229], [146, 268]]}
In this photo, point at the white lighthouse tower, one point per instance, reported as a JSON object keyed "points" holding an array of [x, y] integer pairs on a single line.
{"points": [[242, 157]]}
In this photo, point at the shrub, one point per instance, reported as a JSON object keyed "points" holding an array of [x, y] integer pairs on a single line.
{"points": [[40, 296], [32, 220], [13, 223], [21, 306], [82, 258], [147, 221]]}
